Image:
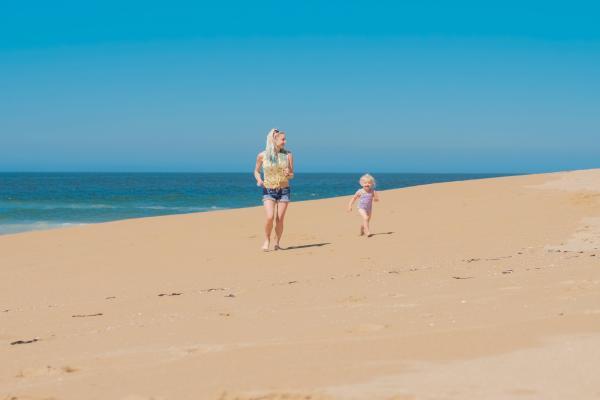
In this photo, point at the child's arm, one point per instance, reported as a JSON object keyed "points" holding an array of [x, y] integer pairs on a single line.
{"points": [[375, 195], [353, 199]]}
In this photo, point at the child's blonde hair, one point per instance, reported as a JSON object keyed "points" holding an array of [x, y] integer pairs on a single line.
{"points": [[367, 178]]}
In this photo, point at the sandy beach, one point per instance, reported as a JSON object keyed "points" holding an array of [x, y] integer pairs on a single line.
{"points": [[486, 289]]}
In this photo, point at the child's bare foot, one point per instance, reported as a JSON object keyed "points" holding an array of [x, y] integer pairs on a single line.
{"points": [[362, 231], [265, 246], [277, 247]]}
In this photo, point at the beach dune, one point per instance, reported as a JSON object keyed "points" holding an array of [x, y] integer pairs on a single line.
{"points": [[486, 289]]}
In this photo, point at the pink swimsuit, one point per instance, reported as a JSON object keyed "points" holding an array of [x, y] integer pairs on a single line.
{"points": [[365, 201]]}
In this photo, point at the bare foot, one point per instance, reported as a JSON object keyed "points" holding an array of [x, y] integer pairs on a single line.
{"points": [[362, 231], [265, 246], [277, 247]]}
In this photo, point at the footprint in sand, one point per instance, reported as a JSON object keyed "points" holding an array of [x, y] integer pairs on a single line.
{"points": [[16, 342], [45, 371], [212, 290], [354, 299], [497, 258], [367, 328], [87, 315], [511, 288]]}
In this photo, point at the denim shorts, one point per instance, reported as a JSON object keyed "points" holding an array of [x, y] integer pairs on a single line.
{"points": [[281, 194]]}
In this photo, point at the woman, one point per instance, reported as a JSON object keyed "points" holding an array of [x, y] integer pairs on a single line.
{"points": [[277, 164]]}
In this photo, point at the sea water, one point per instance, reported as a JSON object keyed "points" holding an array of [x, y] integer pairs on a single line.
{"points": [[34, 201]]}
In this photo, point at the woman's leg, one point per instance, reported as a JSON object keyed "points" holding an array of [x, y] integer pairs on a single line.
{"points": [[281, 210], [366, 217], [270, 214]]}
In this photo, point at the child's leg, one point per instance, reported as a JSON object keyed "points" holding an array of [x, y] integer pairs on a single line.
{"points": [[365, 221], [270, 214]]}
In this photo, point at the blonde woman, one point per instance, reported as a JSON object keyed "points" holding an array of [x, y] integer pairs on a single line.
{"points": [[277, 165]]}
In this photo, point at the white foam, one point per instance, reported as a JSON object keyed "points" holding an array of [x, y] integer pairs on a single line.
{"points": [[182, 208], [6, 229]]}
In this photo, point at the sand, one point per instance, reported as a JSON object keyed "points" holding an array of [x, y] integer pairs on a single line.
{"points": [[486, 289]]}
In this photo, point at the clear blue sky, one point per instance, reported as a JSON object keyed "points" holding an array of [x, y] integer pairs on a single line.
{"points": [[398, 86]]}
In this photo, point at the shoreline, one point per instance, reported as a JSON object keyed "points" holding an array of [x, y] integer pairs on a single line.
{"points": [[25, 211]]}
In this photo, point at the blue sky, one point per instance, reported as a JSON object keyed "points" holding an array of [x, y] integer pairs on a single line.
{"points": [[390, 86]]}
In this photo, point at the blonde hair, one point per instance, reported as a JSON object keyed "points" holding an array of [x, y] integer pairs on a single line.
{"points": [[368, 178], [270, 150]]}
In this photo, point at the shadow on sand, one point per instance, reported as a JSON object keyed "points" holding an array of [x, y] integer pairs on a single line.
{"points": [[381, 233], [304, 246]]}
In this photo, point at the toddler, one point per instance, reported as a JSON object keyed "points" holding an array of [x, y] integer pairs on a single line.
{"points": [[366, 195]]}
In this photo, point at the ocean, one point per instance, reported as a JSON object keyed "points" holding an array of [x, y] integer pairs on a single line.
{"points": [[35, 201]]}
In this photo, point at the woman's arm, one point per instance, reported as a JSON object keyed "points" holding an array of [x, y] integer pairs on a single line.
{"points": [[259, 161], [290, 169]]}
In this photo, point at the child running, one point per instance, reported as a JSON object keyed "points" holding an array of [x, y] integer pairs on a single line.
{"points": [[365, 197]]}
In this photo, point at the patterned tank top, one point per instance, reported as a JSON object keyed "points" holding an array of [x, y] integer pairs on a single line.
{"points": [[274, 175]]}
